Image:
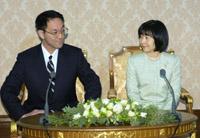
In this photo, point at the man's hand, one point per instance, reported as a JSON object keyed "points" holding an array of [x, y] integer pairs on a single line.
{"points": [[33, 112]]}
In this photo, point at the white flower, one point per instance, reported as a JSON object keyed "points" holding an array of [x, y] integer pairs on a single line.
{"points": [[113, 112], [110, 106], [109, 113], [77, 116], [127, 107], [86, 113], [117, 108], [143, 114], [103, 110], [95, 112], [92, 104], [105, 101], [93, 107], [124, 102], [131, 113], [86, 106]]}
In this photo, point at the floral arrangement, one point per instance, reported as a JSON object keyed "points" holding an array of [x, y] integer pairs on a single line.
{"points": [[110, 112]]}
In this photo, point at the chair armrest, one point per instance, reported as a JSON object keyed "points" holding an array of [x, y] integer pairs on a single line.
{"points": [[186, 99]]}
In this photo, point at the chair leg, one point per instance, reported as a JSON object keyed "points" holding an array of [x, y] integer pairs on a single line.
{"points": [[13, 130], [193, 135]]}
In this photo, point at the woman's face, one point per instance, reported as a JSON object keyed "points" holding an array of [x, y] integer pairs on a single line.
{"points": [[147, 43]]}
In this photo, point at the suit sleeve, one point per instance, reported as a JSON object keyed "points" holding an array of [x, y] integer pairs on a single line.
{"points": [[10, 90], [89, 78]]}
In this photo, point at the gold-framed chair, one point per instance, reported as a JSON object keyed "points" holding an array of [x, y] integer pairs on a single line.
{"points": [[117, 73]]}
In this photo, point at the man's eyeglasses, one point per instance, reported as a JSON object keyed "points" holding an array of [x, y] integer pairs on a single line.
{"points": [[63, 32]]}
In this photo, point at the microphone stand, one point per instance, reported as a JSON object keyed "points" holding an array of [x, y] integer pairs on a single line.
{"points": [[176, 114], [173, 96], [44, 119]]}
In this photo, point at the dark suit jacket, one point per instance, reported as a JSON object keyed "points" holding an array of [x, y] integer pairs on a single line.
{"points": [[30, 69]]}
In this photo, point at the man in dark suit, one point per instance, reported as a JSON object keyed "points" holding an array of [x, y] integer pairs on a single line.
{"points": [[34, 68]]}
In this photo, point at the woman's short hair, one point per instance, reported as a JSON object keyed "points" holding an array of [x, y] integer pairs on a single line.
{"points": [[157, 30], [44, 17]]}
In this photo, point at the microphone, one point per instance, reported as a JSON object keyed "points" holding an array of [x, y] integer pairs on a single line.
{"points": [[44, 119], [163, 75]]}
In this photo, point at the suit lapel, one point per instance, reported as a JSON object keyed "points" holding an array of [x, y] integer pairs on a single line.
{"points": [[41, 63], [60, 62]]}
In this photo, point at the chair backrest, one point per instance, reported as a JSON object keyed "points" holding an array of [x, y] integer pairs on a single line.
{"points": [[23, 95], [117, 71]]}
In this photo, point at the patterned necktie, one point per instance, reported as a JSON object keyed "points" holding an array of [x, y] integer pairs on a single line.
{"points": [[50, 69]]}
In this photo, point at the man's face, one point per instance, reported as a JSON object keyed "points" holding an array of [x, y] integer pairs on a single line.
{"points": [[53, 36]]}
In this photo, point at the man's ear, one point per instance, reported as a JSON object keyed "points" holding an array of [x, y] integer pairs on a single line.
{"points": [[40, 34]]}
